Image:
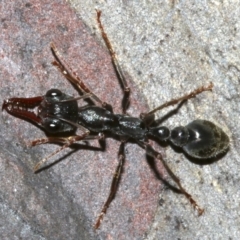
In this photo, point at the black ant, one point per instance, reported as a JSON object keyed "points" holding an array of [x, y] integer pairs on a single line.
{"points": [[58, 113]]}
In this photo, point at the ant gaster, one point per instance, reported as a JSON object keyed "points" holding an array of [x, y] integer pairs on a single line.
{"points": [[59, 113]]}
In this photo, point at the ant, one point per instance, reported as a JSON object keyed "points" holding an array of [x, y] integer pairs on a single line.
{"points": [[58, 113]]}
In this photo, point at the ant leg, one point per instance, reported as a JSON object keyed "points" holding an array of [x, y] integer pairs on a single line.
{"points": [[176, 100], [75, 80], [67, 141], [151, 152], [123, 82], [114, 185]]}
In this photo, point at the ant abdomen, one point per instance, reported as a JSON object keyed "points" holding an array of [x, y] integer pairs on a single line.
{"points": [[200, 139]]}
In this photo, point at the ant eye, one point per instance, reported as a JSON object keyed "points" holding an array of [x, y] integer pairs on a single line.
{"points": [[54, 93], [52, 125], [179, 136]]}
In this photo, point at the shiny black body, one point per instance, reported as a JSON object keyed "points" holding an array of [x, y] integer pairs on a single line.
{"points": [[199, 139], [54, 106], [59, 113], [98, 119]]}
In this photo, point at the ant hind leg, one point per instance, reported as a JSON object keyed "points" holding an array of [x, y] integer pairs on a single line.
{"points": [[150, 151]]}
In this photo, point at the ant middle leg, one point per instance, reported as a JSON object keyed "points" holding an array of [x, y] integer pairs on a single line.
{"points": [[153, 153], [74, 79], [122, 79], [192, 94], [114, 185]]}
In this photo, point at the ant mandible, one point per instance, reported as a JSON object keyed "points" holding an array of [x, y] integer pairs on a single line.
{"points": [[59, 113]]}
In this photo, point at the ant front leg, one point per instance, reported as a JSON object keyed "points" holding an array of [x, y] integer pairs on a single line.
{"points": [[66, 141], [74, 79], [153, 153], [114, 185], [123, 82], [192, 94]]}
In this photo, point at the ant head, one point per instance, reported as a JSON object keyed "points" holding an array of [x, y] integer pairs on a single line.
{"points": [[57, 111]]}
